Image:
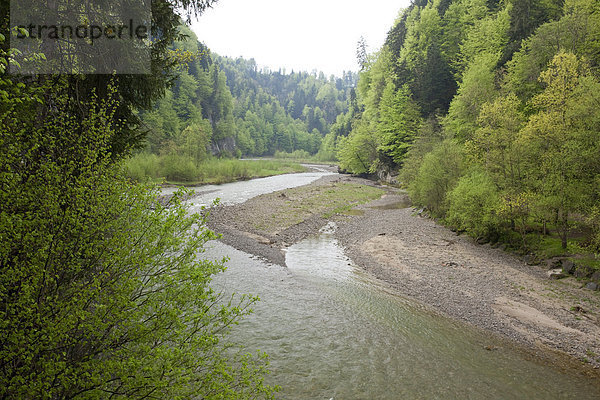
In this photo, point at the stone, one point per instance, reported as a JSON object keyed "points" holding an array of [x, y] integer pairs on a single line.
{"points": [[568, 266], [596, 276], [530, 259], [556, 274], [482, 240], [583, 271], [554, 263], [450, 264], [592, 286]]}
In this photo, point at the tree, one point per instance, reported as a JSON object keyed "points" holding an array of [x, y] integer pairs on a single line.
{"points": [[399, 121], [473, 205], [576, 32], [560, 140], [428, 73], [495, 145], [135, 91], [438, 174], [358, 152], [477, 87], [361, 53], [102, 290]]}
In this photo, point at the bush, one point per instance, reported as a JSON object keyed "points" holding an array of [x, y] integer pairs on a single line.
{"points": [[103, 291], [177, 168], [437, 175], [473, 205], [143, 166]]}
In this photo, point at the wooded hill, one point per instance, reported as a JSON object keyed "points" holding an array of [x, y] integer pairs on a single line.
{"points": [[490, 111], [230, 107]]}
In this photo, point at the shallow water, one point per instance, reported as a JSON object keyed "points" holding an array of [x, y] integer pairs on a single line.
{"points": [[332, 331], [239, 192]]}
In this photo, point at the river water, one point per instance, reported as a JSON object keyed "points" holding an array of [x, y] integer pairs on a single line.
{"points": [[332, 331]]}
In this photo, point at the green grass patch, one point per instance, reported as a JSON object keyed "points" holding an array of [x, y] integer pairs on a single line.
{"points": [[547, 246], [181, 170], [304, 157], [588, 260], [301, 203]]}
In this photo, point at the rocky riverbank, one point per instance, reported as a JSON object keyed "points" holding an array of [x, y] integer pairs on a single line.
{"points": [[482, 286]]}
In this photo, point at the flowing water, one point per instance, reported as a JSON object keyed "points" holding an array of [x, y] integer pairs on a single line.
{"points": [[239, 192], [332, 331]]}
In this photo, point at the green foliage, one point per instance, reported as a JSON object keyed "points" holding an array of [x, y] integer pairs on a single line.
{"points": [[181, 169], [399, 121], [523, 119], [194, 141], [178, 168], [438, 174], [295, 155], [494, 144], [228, 170], [136, 91], [576, 32], [358, 152], [561, 138], [594, 220], [478, 87], [473, 205], [241, 110], [142, 166], [429, 136], [104, 291]]}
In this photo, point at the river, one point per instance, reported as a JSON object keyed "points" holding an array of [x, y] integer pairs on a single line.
{"points": [[334, 332]]}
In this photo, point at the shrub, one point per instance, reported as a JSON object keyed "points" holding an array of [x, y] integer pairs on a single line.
{"points": [[437, 175], [473, 205], [103, 291], [143, 166], [179, 168]]}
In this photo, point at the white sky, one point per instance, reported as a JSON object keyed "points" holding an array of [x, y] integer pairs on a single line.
{"points": [[297, 34]]}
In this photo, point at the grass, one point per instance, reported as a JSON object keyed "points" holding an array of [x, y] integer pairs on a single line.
{"points": [[181, 170], [547, 246], [304, 157], [325, 201], [550, 246], [229, 170]]}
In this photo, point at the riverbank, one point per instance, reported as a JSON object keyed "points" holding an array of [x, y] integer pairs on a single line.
{"points": [[177, 170], [417, 258]]}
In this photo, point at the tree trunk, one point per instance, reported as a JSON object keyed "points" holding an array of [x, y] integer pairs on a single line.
{"points": [[564, 229]]}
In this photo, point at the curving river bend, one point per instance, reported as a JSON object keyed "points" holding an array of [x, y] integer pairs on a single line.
{"points": [[332, 331]]}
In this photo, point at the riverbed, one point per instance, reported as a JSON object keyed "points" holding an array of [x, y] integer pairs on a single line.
{"points": [[333, 330]]}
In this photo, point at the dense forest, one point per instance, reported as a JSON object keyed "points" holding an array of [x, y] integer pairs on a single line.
{"points": [[223, 107], [489, 110]]}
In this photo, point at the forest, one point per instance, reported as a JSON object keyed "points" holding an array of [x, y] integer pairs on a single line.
{"points": [[488, 113], [220, 107]]}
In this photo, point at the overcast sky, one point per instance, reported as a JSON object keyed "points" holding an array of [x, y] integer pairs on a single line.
{"points": [[299, 34]]}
